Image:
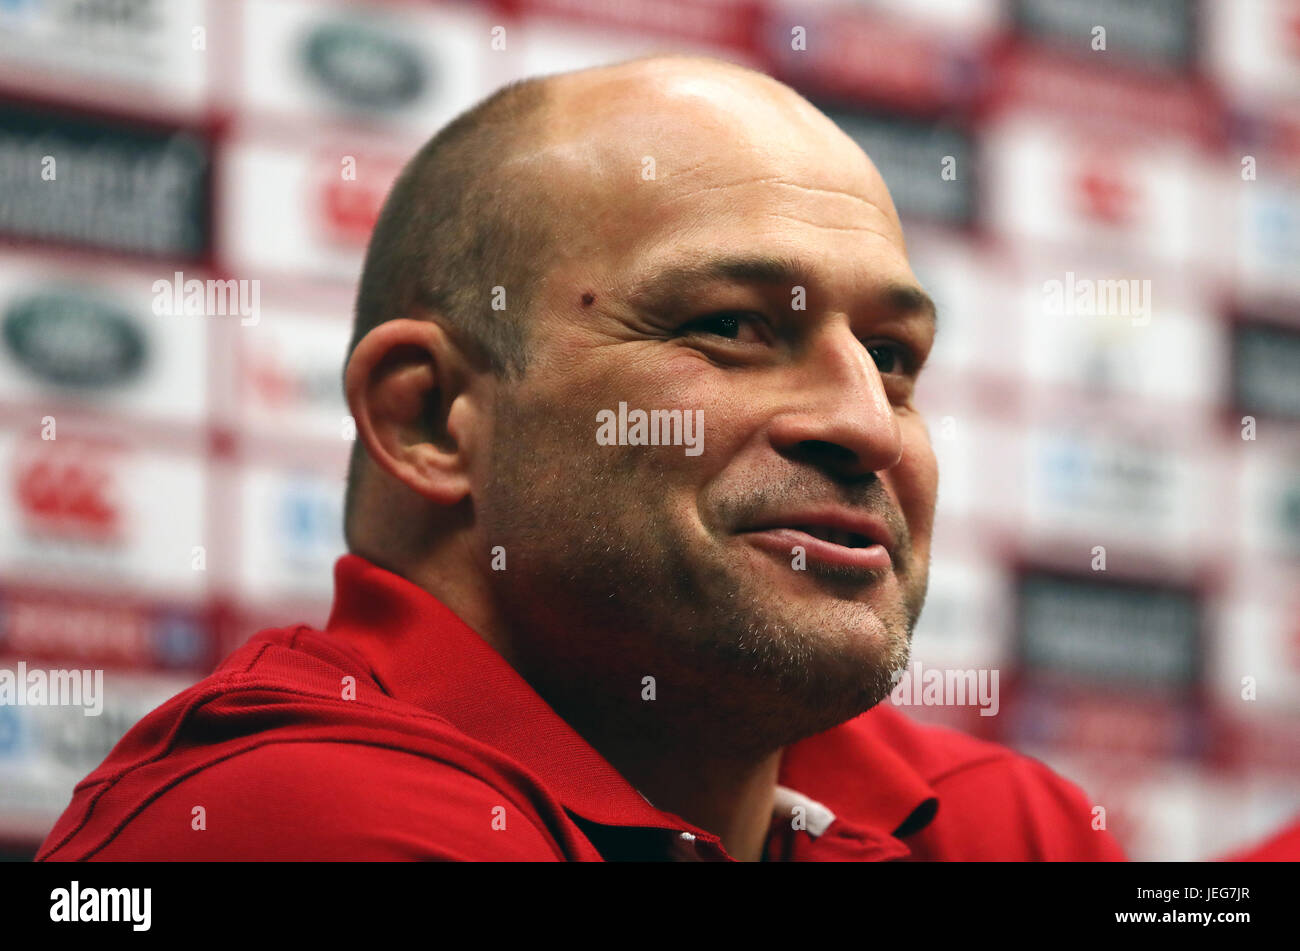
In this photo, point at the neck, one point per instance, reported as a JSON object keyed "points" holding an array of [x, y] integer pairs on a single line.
{"points": [[701, 764], [733, 801], [689, 767]]}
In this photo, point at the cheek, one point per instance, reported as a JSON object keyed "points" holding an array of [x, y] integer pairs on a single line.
{"points": [[708, 425], [916, 481]]}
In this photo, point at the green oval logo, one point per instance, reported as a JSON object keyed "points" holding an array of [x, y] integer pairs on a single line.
{"points": [[74, 340], [365, 67]]}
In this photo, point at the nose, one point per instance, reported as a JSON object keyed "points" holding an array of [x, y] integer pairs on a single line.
{"points": [[840, 418]]}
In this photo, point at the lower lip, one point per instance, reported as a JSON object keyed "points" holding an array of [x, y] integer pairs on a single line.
{"points": [[782, 541]]}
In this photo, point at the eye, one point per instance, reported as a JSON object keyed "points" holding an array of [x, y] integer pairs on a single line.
{"points": [[729, 324], [890, 357]]}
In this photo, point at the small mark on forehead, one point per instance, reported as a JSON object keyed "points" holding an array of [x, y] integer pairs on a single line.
{"points": [[588, 299]]}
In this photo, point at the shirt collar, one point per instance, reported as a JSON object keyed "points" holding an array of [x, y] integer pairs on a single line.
{"points": [[419, 651]]}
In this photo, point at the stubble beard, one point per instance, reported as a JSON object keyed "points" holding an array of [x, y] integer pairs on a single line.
{"points": [[604, 590]]}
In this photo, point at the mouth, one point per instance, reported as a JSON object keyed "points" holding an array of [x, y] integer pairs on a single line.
{"points": [[843, 539], [836, 536]]}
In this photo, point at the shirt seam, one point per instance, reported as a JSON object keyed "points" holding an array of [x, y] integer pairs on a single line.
{"points": [[996, 757], [237, 679], [270, 741]]}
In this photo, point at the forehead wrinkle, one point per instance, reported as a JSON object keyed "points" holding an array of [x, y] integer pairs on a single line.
{"points": [[820, 202], [810, 189], [817, 224], [774, 180]]}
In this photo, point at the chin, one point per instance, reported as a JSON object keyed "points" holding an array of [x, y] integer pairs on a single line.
{"points": [[844, 647]]}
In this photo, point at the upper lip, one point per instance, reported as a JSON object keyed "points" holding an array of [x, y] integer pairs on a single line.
{"points": [[872, 527]]}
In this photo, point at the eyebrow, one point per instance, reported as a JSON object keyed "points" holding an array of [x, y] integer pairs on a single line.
{"points": [[672, 288]]}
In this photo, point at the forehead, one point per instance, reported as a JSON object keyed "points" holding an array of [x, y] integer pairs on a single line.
{"points": [[654, 169]]}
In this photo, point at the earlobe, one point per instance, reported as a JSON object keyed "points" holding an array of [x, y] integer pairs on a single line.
{"points": [[401, 380]]}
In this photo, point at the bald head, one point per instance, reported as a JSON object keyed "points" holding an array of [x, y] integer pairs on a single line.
{"points": [[654, 133], [485, 201]]}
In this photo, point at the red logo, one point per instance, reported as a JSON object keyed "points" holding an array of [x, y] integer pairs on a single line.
{"points": [[353, 193], [1292, 33], [1295, 638], [68, 492], [1102, 195], [269, 379]]}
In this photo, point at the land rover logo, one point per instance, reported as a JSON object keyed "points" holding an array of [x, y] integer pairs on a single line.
{"points": [[73, 340], [365, 67], [1291, 512]]}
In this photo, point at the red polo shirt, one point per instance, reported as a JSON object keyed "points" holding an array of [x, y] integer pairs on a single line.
{"points": [[1282, 846], [398, 733]]}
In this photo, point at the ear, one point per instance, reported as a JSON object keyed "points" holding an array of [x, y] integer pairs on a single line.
{"points": [[406, 384]]}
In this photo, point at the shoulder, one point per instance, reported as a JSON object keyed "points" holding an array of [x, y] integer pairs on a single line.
{"points": [[335, 800], [994, 803], [1282, 846], [933, 751], [291, 750]]}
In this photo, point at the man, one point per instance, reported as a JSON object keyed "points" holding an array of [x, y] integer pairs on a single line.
{"points": [[639, 524]]}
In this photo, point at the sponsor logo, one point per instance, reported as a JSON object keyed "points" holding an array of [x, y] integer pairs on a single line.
{"points": [[11, 733], [1108, 480], [350, 206], [117, 21], [1265, 368], [178, 640], [1102, 195], [365, 67], [74, 340], [68, 493], [48, 625], [102, 184], [1288, 509], [278, 383], [1109, 634], [929, 165], [1158, 32], [309, 520]]}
